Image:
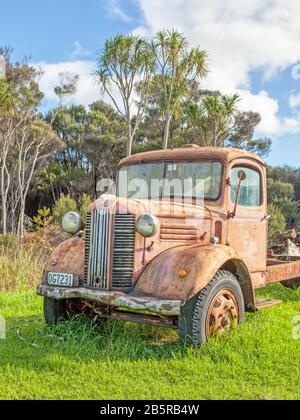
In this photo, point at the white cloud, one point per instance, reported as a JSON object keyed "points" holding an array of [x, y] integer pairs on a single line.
{"points": [[296, 72], [78, 51], [254, 33], [114, 9], [267, 107], [240, 37], [294, 100], [272, 124], [87, 89]]}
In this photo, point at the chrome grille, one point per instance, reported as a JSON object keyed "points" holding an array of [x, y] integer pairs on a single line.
{"points": [[98, 253], [123, 251], [87, 246]]}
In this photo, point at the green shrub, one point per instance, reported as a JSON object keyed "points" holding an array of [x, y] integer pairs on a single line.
{"points": [[278, 189], [43, 218], [277, 222], [85, 202], [64, 204]]}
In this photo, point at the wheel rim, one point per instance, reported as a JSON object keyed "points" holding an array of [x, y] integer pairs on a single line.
{"points": [[223, 313]]}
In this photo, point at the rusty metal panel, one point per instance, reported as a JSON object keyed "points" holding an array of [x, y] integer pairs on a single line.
{"points": [[179, 232], [68, 257], [283, 271], [155, 320], [247, 231], [192, 154], [181, 272], [116, 299], [266, 303]]}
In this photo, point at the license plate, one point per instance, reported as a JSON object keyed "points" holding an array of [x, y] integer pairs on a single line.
{"points": [[61, 279]]}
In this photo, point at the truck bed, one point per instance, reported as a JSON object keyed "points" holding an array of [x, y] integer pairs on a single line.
{"points": [[282, 268]]}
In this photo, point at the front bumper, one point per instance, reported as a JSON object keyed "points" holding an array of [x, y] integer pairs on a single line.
{"points": [[115, 299]]}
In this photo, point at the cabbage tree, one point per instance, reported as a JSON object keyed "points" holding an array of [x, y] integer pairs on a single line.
{"points": [[125, 69], [178, 66]]}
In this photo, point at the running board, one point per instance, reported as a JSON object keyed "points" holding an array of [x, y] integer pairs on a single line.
{"points": [[267, 303]]}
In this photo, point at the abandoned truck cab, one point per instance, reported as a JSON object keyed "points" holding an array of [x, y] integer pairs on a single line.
{"points": [[182, 244]]}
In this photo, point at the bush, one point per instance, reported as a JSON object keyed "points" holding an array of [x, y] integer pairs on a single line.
{"points": [[43, 218], [21, 267], [64, 204], [8, 241], [277, 222], [282, 195], [278, 189], [85, 202]]}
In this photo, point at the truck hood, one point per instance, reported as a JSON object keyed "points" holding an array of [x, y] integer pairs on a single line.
{"points": [[159, 208]]}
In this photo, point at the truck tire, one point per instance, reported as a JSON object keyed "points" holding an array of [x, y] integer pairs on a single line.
{"points": [[54, 310], [291, 284], [214, 311]]}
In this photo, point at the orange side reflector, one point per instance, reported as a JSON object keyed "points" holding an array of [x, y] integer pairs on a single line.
{"points": [[182, 273]]}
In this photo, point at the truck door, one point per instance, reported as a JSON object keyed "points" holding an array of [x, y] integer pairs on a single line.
{"points": [[247, 230]]}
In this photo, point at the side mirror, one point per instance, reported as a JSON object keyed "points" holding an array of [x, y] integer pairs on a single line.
{"points": [[241, 176]]}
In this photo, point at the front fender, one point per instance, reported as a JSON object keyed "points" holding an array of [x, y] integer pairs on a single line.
{"points": [[164, 277], [68, 257]]}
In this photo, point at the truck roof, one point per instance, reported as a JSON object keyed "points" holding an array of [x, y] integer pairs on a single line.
{"points": [[192, 152]]}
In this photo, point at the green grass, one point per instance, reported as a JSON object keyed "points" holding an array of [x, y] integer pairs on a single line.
{"points": [[82, 360]]}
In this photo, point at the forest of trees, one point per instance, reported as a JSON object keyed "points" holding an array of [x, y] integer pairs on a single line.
{"points": [[164, 104]]}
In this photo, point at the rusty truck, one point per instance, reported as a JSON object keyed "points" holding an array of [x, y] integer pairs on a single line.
{"points": [[168, 258]]}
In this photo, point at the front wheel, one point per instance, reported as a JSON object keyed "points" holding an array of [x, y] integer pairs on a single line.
{"points": [[214, 311]]}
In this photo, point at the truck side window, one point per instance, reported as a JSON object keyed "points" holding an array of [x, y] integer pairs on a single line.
{"points": [[250, 194]]}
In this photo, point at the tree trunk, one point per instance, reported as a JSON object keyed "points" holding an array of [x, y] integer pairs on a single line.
{"points": [[4, 189], [129, 134], [4, 202], [129, 142], [21, 228], [215, 139], [167, 132], [4, 218], [129, 147]]}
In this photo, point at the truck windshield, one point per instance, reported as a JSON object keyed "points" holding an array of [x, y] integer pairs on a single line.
{"points": [[199, 180]]}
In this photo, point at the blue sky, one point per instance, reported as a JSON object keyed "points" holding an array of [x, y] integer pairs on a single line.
{"points": [[47, 30], [254, 49]]}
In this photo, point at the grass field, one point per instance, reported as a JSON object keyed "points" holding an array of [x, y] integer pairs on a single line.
{"points": [[82, 360]]}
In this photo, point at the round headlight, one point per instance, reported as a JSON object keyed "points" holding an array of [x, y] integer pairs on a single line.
{"points": [[72, 222], [147, 225]]}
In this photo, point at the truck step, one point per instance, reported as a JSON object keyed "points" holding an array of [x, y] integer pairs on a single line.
{"points": [[267, 303]]}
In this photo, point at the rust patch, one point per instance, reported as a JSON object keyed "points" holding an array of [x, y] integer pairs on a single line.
{"points": [[282, 271], [116, 299], [161, 278], [191, 154], [68, 257]]}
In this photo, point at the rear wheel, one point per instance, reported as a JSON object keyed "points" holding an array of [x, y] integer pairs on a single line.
{"points": [[55, 310], [214, 311]]}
